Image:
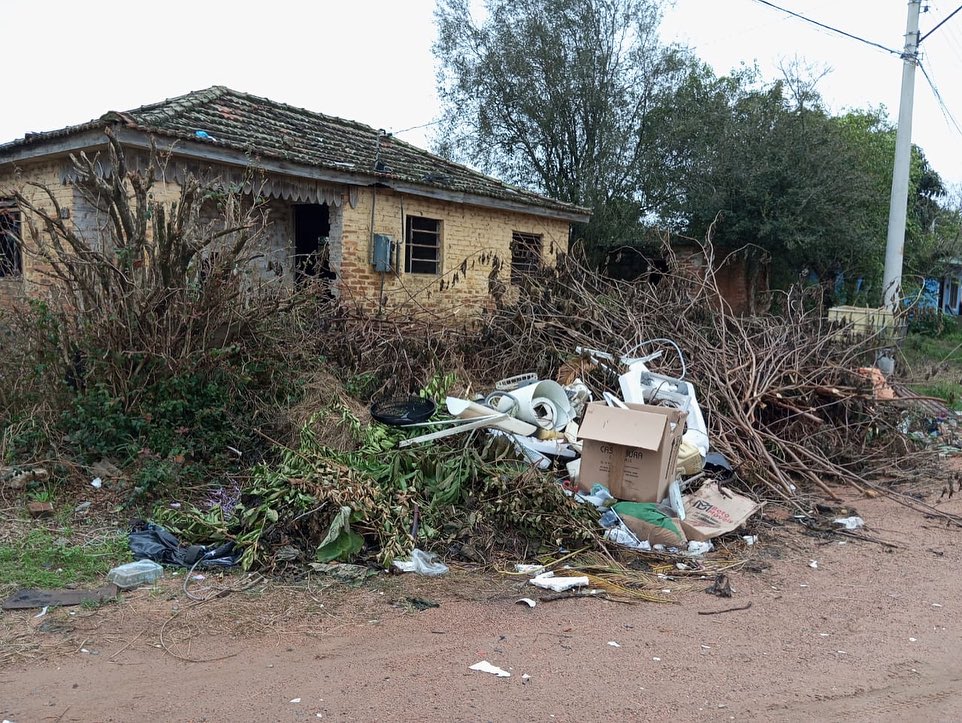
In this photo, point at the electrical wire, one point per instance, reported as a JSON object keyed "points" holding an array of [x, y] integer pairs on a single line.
{"points": [[944, 21], [414, 128], [949, 117], [878, 46]]}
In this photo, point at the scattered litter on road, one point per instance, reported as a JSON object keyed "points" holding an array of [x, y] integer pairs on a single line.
{"points": [[27, 598], [422, 563], [295, 700], [721, 587], [813, 564], [548, 581], [135, 574], [613, 644], [529, 569], [725, 610], [526, 601], [485, 667], [850, 523], [153, 542]]}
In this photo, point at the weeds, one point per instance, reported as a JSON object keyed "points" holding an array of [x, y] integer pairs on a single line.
{"points": [[441, 494], [45, 558]]}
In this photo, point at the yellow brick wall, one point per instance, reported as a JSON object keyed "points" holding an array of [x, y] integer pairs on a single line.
{"points": [[471, 238], [35, 279]]}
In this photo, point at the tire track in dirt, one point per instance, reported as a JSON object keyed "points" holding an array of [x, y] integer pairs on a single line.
{"points": [[936, 694]]}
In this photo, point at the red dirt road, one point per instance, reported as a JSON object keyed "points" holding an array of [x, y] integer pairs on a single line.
{"points": [[871, 634]]}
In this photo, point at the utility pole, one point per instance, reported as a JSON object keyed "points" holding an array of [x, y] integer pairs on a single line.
{"points": [[898, 203]]}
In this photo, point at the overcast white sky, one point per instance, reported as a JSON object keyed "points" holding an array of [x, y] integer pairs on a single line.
{"points": [[371, 61]]}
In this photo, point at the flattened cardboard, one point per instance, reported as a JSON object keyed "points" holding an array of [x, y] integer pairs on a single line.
{"points": [[711, 512], [630, 451]]}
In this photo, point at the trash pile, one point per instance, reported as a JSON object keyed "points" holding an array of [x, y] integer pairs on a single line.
{"points": [[643, 459], [589, 433]]}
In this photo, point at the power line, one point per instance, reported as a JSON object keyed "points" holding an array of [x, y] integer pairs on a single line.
{"points": [[414, 128], [949, 117], [834, 30], [944, 21]]}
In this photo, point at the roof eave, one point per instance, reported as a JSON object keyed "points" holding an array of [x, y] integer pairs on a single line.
{"points": [[94, 138], [231, 156], [33, 149]]}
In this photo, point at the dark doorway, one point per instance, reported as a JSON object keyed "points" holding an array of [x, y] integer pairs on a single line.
{"points": [[312, 226]]}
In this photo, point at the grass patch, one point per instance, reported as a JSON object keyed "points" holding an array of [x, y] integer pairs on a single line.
{"points": [[922, 349], [41, 559], [951, 392], [934, 363]]}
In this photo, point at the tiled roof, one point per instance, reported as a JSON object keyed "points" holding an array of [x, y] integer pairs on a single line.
{"points": [[226, 118]]}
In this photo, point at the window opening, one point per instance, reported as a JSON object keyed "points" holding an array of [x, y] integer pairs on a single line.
{"points": [[11, 251], [422, 246], [525, 255]]}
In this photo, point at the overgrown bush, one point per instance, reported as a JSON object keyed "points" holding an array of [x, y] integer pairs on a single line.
{"points": [[926, 322], [155, 347]]}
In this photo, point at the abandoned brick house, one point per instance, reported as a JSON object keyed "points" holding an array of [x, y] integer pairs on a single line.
{"points": [[388, 221]]}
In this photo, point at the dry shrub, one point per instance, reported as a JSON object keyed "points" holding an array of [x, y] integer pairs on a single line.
{"points": [[156, 345]]}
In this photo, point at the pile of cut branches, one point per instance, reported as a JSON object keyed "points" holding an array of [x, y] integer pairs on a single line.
{"points": [[780, 390]]}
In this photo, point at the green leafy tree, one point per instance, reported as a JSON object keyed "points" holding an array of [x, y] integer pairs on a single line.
{"points": [[561, 96], [776, 172]]}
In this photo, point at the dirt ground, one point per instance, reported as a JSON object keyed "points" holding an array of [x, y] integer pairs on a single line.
{"points": [[865, 635]]}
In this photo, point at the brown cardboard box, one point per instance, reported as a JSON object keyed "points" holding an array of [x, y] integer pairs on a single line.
{"points": [[630, 451], [711, 512]]}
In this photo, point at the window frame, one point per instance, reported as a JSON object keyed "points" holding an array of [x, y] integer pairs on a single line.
{"points": [[410, 244], [528, 262], [11, 241]]}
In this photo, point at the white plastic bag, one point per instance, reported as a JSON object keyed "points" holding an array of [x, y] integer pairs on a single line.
{"points": [[422, 563]]}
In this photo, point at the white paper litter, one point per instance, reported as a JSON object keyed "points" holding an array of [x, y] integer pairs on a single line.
{"points": [[527, 601], [529, 569], [613, 644], [850, 523], [295, 700], [485, 667], [813, 564], [42, 612], [750, 539], [96, 483], [547, 581], [699, 547]]}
